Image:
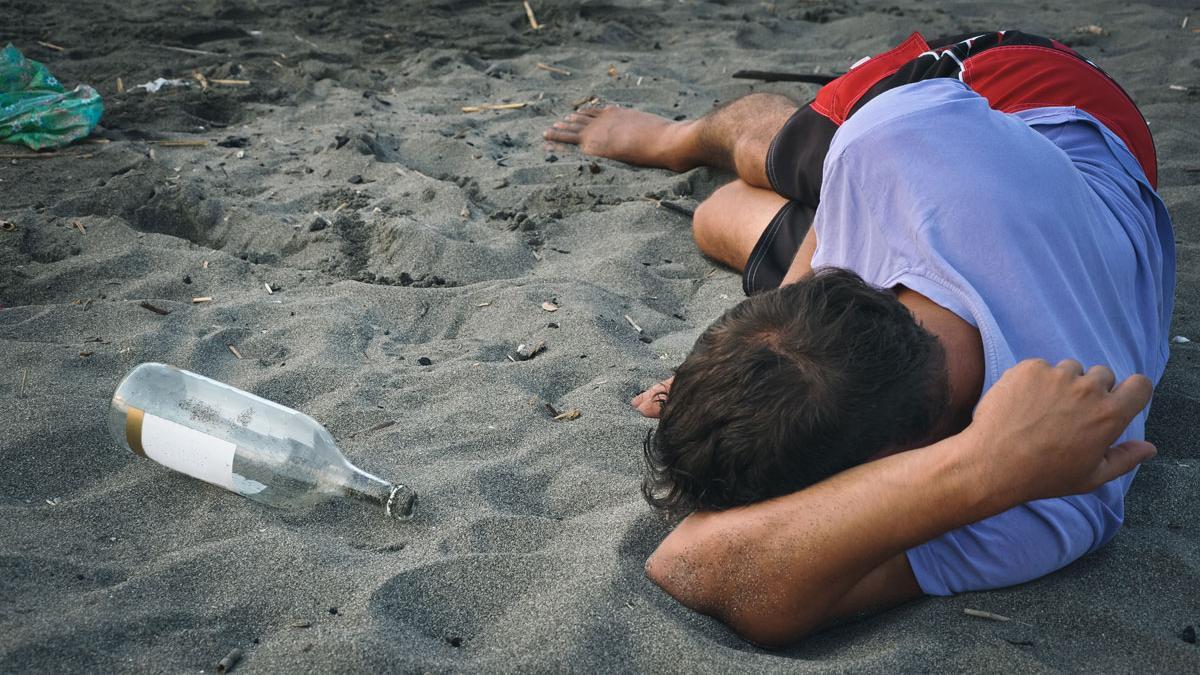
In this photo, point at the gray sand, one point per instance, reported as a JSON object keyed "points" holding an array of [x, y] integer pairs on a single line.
{"points": [[528, 553]]}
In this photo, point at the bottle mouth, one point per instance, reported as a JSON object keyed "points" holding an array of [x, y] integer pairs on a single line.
{"points": [[402, 503]]}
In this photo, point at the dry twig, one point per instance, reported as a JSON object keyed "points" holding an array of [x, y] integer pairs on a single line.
{"points": [[51, 45], [235, 351], [48, 155], [157, 310]]}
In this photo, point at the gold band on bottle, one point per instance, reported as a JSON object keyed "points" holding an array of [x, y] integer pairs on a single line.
{"points": [[133, 430]]}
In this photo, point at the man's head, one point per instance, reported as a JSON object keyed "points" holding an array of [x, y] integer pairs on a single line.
{"points": [[790, 387]]}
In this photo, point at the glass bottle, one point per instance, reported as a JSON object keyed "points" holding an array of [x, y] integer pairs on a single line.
{"points": [[241, 442]]}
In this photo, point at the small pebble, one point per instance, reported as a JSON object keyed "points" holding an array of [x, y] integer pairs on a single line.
{"points": [[425, 361], [356, 179]]}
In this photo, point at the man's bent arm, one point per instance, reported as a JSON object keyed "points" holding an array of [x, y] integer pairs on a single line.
{"points": [[777, 570]]}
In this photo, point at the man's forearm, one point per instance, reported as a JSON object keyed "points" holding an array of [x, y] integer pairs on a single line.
{"points": [[775, 571]]}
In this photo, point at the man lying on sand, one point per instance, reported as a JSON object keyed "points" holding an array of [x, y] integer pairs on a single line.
{"points": [[986, 200]]}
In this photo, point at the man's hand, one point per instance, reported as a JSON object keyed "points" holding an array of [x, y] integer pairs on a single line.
{"points": [[649, 402], [777, 570], [1050, 429]]}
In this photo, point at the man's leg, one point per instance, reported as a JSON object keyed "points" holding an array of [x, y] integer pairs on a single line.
{"points": [[730, 222], [734, 137]]}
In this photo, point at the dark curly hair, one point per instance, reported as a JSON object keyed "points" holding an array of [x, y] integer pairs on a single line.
{"points": [[790, 387]]}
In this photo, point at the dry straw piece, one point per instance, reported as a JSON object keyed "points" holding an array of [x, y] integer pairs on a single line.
{"points": [[533, 22], [493, 106], [985, 615], [568, 415], [554, 69], [179, 144], [235, 351], [203, 298]]}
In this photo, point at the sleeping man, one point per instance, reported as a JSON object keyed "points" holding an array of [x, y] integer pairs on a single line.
{"points": [[880, 418]]}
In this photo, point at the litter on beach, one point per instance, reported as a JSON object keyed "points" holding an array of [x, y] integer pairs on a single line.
{"points": [[36, 110], [282, 459], [153, 86]]}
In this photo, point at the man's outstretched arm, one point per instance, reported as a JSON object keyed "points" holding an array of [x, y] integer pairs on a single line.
{"points": [[778, 570]]}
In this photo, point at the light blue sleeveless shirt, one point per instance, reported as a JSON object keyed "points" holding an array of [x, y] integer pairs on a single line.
{"points": [[1040, 229]]}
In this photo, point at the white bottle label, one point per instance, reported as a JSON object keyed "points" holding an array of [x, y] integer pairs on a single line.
{"points": [[188, 451]]}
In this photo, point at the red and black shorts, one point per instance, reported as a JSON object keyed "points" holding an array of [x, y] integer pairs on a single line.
{"points": [[1014, 71]]}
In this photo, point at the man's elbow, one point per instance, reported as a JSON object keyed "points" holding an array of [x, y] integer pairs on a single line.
{"points": [[707, 588], [682, 577]]}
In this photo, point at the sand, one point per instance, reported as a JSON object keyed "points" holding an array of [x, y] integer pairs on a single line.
{"points": [[394, 227]]}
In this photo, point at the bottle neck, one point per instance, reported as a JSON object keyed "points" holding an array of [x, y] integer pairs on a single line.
{"points": [[398, 501]]}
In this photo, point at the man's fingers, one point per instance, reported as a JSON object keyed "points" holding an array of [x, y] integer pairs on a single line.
{"points": [[1120, 459], [1103, 376], [651, 410], [1071, 365], [1133, 394], [561, 136]]}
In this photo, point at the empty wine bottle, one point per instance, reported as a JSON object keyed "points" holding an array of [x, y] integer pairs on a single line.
{"points": [[243, 443]]}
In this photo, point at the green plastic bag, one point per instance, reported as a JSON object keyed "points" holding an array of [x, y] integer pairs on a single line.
{"points": [[35, 109]]}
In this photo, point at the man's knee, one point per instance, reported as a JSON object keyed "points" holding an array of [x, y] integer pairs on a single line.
{"points": [[708, 220]]}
